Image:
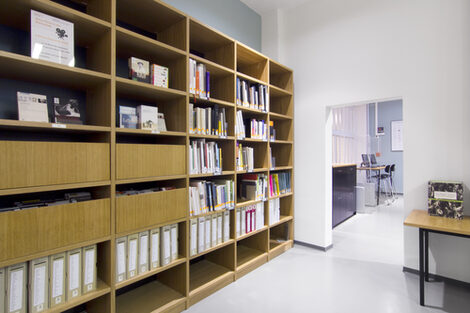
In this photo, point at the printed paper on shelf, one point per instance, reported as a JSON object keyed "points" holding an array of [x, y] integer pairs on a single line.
{"points": [[52, 39], [159, 76], [32, 107]]}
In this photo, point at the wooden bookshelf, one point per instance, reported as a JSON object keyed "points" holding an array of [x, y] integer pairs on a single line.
{"points": [[44, 159]]}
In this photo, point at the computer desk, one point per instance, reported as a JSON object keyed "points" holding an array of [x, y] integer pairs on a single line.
{"points": [[377, 169], [433, 224]]}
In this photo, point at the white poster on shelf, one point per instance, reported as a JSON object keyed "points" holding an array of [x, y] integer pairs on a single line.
{"points": [[52, 39], [397, 135]]}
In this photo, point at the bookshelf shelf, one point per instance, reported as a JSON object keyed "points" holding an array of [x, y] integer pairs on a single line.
{"points": [[247, 235], [142, 276], [101, 290], [49, 159], [223, 244]]}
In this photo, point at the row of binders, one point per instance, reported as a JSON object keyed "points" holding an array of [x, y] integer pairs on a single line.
{"points": [[253, 96], [279, 183], [274, 210], [208, 231], [210, 196], [205, 157], [249, 218], [199, 80], [245, 158], [145, 251], [250, 128], [47, 282], [207, 121], [253, 187]]}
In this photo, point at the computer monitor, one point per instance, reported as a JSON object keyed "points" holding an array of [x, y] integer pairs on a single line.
{"points": [[373, 160], [365, 159]]}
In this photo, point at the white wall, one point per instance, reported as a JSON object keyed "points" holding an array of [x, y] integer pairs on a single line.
{"points": [[347, 51]]}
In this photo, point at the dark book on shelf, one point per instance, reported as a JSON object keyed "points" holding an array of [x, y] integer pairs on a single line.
{"points": [[139, 70], [67, 111]]}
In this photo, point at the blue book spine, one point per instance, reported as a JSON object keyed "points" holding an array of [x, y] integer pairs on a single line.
{"points": [[208, 86]]}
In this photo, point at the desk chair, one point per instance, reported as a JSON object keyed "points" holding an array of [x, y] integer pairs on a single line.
{"points": [[392, 174], [386, 178]]}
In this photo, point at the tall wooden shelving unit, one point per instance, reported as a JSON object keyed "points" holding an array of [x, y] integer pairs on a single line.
{"points": [[38, 159]]}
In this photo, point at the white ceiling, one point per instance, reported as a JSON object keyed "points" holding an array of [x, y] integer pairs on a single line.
{"points": [[261, 6]]}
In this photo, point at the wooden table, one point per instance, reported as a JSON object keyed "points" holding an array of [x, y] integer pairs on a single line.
{"points": [[377, 169], [433, 224]]}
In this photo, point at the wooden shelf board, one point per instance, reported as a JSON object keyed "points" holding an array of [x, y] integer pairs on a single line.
{"points": [[282, 142], [143, 91], [247, 54], [281, 195], [249, 202], [282, 220], [245, 256], [277, 117], [17, 14], [152, 297], [197, 100], [211, 137], [139, 277], [255, 170], [101, 289], [15, 191], [253, 140], [148, 179], [243, 108], [53, 251], [262, 229], [18, 125], [132, 131], [278, 92], [205, 273], [16, 66], [223, 244], [211, 174], [277, 248], [215, 69], [130, 41], [281, 168], [251, 79]]}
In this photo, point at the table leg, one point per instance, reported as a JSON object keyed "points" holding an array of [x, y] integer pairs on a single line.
{"points": [[421, 267], [426, 255], [378, 187]]}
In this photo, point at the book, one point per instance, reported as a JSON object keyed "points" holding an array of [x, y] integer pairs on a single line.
{"points": [[32, 107], [139, 70], [128, 117], [52, 39], [148, 117], [67, 111], [159, 75]]}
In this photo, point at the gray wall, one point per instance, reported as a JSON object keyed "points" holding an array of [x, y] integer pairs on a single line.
{"points": [[388, 111], [231, 17]]}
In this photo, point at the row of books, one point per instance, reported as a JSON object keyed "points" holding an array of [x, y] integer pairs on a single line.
{"points": [[253, 96], [141, 70], [253, 187], [205, 157], [34, 108], [207, 121], [132, 192], [250, 128], [199, 80], [210, 196], [249, 218], [70, 197], [272, 158], [245, 158], [279, 183], [208, 231], [142, 117], [145, 251], [274, 210], [47, 282]]}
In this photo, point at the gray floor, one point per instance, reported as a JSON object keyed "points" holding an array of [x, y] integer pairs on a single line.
{"points": [[362, 273]]}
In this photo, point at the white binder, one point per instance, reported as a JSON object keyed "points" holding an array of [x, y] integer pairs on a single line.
{"points": [[39, 285], [214, 230], [74, 273], [154, 248], [57, 265], [226, 215], [242, 221], [238, 221], [193, 237], [207, 233], [89, 255], [121, 259], [2, 290], [132, 255], [219, 228], [201, 241], [165, 245], [16, 288], [174, 242], [143, 252]]}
